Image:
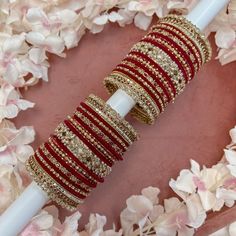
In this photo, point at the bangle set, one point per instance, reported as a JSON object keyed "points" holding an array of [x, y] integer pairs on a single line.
{"points": [[160, 65], [84, 147], [81, 152]]}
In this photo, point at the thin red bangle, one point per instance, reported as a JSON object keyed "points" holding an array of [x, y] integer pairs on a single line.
{"points": [[90, 117], [181, 39], [170, 54], [78, 175], [141, 85], [184, 54], [136, 72], [154, 64], [104, 122], [98, 138], [177, 29], [100, 155], [150, 73], [71, 191], [53, 166]]}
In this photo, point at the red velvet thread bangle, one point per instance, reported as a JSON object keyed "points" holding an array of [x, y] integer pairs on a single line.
{"points": [[150, 73], [155, 65], [53, 166], [87, 143], [56, 179], [137, 73], [177, 29], [141, 85], [87, 114], [183, 53], [69, 153], [78, 175], [170, 54], [183, 41], [104, 122], [98, 138]]}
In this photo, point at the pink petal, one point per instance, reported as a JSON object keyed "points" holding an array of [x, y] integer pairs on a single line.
{"points": [[225, 37], [54, 44], [142, 21], [151, 193], [71, 225], [37, 55], [139, 204], [196, 213]]}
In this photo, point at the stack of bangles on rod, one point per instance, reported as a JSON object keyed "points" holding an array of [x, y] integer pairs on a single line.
{"points": [[85, 146]]}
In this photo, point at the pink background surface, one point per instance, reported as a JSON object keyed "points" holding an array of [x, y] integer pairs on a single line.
{"points": [[195, 127]]}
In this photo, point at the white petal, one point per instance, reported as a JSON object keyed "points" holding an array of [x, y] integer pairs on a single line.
{"points": [[139, 204], [196, 213], [208, 199], [127, 16], [232, 229], [114, 17], [36, 15], [142, 21], [11, 74], [54, 44], [24, 104], [71, 225], [226, 194], [13, 43], [37, 55], [226, 56], [171, 204], [66, 16], [195, 167], [225, 37], [9, 111], [35, 38], [23, 152], [232, 134], [101, 20], [230, 156], [151, 193], [185, 182], [71, 38], [43, 220], [24, 135]]}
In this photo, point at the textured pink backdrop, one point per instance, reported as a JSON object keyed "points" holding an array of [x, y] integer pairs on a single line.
{"points": [[195, 127]]}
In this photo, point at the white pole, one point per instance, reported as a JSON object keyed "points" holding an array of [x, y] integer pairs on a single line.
{"points": [[205, 12], [21, 211], [17, 216]]}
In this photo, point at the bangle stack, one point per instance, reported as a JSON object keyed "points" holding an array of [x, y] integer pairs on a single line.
{"points": [[158, 67], [85, 146], [81, 152]]}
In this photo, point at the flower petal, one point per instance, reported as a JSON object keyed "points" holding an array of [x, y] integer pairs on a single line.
{"points": [[142, 21]]}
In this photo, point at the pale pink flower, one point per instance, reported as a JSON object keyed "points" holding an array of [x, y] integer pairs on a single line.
{"points": [[14, 143], [11, 103], [10, 185], [40, 225]]}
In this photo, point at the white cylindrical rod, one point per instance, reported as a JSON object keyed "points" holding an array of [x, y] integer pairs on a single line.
{"points": [[121, 102], [205, 12], [21, 211], [16, 217]]}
